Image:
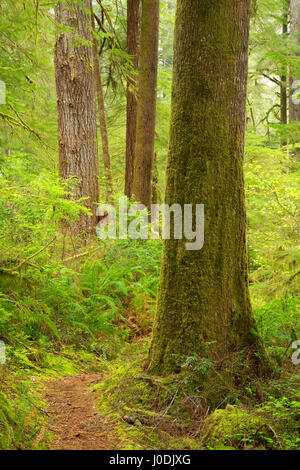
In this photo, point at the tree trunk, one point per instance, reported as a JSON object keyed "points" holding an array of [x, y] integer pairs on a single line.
{"points": [[146, 111], [78, 152], [283, 99], [294, 108], [133, 40], [103, 127], [283, 77], [155, 182], [203, 306]]}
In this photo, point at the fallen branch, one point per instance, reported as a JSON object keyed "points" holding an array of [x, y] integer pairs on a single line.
{"points": [[148, 418], [80, 255], [15, 271]]}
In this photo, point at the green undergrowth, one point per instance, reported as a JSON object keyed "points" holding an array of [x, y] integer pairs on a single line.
{"points": [[67, 307], [279, 326], [23, 381], [139, 406], [173, 412], [271, 426], [58, 292], [23, 413], [69, 318]]}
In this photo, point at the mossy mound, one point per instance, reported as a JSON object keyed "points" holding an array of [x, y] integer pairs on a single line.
{"points": [[236, 428]]}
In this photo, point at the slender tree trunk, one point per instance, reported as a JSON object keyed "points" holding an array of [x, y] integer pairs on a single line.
{"points": [[283, 99], [155, 188], [203, 306], [294, 99], [133, 43], [294, 107], [103, 126], [146, 111], [78, 149], [283, 77]]}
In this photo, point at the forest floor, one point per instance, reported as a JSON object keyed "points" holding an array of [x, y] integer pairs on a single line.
{"points": [[75, 423], [115, 406]]}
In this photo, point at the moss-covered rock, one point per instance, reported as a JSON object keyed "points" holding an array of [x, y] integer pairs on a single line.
{"points": [[236, 428]]}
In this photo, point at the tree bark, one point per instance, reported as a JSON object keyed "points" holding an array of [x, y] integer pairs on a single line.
{"points": [[133, 46], [146, 110], [103, 126], [283, 77], [203, 305], [283, 100], [155, 182], [75, 86], [294, 108]]}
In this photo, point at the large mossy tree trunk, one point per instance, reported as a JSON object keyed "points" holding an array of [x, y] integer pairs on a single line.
{"points": [[203, 306], [133, 48], [75, 86], [146, 110]]}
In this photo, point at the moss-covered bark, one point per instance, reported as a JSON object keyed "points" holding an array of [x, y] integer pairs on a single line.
{"points": [[146, 109], [203, 295]]}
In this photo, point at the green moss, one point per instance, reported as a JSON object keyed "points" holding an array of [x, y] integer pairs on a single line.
{"points": [[139, 406], [203, 295], [150, 412], [22, 417], [121, 393], [236, 428]]}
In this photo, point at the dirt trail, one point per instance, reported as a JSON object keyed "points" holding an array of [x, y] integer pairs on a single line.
{"points": [[74, 420]]}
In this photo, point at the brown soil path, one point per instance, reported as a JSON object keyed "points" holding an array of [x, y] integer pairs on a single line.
{"points": [[74, 420]]}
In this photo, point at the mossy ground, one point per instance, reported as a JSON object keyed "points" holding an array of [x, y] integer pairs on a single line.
{"points": [[150, 412], [142, 408], [23, 383], [174, 412], [155, 413]]}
